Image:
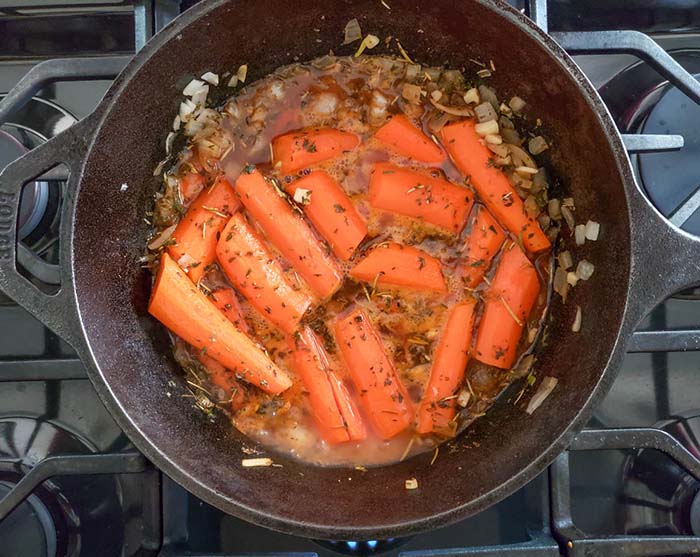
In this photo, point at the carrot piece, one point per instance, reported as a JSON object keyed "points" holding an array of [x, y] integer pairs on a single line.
{"points": [[406, 139], [191, 185], [334, 411], [186, 311], [224, 379], [382, 394], [508, 302], [447, 372], [256, 274], [392, 264], [417, 195], [331, 212], [289, 233], [225, 299], [197, 233], [474, 160], [485, 239], [302, 148]]}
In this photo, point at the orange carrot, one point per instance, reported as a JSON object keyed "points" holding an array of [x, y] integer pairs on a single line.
{"points": [[508, 302], [197, 233], [447, 372], [191, 184], [225, 299], [256, 274], [302, 148], [382, 394], [289, 233], [331, 212], [224, 379], [406, 139], [186, 311], [334, 411], [392, 264], [485, 239], [474, 160], [415, 194]]}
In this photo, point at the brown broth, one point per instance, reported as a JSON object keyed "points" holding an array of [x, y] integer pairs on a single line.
{"points": [[348, 95]]}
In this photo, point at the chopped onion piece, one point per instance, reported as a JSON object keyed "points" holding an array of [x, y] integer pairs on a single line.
{"points": [[544, 221], [568, 216], [192, 87], [233, 82], [544, 390], [537, 145], [500, 150], [485, 112], [242, 73], [525, 170], [522, 158], [412, 71], [506, 122], [505, 109], [540, 180], [554, 209], [436, 95], [163, 237], [252, 462], [576, 326], [516, 104], [592, 230], [452, 110], [169, 140], [510, 136], [565, 260], [486, 128], [580, 234], [176, 122], [200, 97], [568, 202], [187, 107], [560, 285], [493, 139], [472, 96], [571, 278], [463, 398], [211, 77], [352, 31], [411, 483], [412, 93], [584, 269], [488, 95], [531, 207], [302, 196]]}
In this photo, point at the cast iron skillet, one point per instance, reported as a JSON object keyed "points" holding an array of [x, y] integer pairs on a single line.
{"points": [[101, 306]]}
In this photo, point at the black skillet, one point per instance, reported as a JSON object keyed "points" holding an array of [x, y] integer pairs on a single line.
{"points": [[101, 306]]}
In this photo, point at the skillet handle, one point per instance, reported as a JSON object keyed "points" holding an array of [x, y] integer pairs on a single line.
{"points": [[665, 259], [57, 311]]}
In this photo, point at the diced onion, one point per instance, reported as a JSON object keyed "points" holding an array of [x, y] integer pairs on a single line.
{"points": [[565, 260], [412, 71], [233, 82], [537, 145], [352, 31], [571, 278], [200, 97], [544, 390], [592, 230], [472, 96], [505, 109], [211, 77], [411, 483], [488, 95], [580, 234], [302, 196], [486, 128], [568, 216], [500, 150], [242, 73], [560, 285], [176, 122], [576, 326], [522, 158], [525, 169], [169, 140], [516, 104], [436, 95], [554, 209], [506, 122], [584, 269], [412, 93], [568, 202], [187, 107], [531, 207], [509, 135], [453, 110], [192, 87], [493, 139], [163, 237], [463, 398], [252, 462], [485, 112], [540, 179]]}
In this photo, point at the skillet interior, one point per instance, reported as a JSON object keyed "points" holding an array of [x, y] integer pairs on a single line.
{"points": [[132, 366]]}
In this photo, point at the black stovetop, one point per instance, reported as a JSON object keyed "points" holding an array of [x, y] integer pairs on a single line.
{"points": [[81, 488]]}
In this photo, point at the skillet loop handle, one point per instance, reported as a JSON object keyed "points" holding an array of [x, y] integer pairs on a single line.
{"points": [[57, 311]]}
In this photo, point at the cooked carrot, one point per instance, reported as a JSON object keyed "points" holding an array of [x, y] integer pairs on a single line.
{"points": [[392, 264], [382, 394], [256, 274], [289, 233], [485, 239], [197, 233], [334, 411], [474, 160], [302, 148], [447, 372], [406, 139], [191, 185], [224, 379], [417, 195], [225, 299], [186, 311], [331, 212], [508, 302]]}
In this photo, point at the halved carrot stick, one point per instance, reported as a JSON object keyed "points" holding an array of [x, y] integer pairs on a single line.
{"points": [[225, 299], [197, 233], [382, 394], [335, 413], [302, 148], [186, 311], [392, 264], [256, 274], [289, 233], [191, 185], [473, 159], [415, 194], [485, 239], [406, 139], [331, 212], [508, 302], [224, 379], [447, 372]]}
